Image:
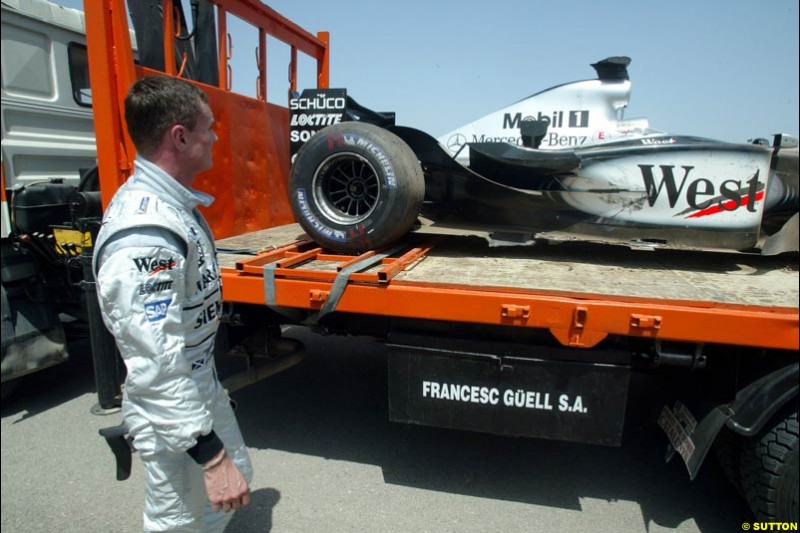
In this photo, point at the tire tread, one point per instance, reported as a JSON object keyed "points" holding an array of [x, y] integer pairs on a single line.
{"points": [[764, 460]]}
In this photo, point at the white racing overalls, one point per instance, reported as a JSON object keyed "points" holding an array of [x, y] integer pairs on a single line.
{"points": [[160, 295]]}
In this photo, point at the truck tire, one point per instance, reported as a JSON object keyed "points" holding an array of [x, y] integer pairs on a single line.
{"points": [[7, 389], [727, 447], [769, 468], [355, 186]]}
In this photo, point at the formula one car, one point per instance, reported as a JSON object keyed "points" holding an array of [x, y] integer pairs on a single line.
{"points": [[561, 164]]}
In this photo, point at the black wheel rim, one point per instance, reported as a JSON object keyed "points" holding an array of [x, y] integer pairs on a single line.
{"points": [[346, 188]]}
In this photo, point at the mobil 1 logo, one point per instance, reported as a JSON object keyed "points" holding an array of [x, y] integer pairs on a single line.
{"points": [[313, 110]]}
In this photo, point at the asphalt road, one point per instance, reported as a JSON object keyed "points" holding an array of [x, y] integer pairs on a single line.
{"points": [[328, 460]]}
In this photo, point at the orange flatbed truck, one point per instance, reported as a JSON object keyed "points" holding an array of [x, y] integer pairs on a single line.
{"points": [[526, 341]]}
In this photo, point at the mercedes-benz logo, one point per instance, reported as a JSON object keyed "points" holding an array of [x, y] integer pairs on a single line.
{"points": [[455, 142]]}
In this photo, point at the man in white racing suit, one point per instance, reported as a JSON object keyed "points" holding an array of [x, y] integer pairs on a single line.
{"points": [[160, 295]]}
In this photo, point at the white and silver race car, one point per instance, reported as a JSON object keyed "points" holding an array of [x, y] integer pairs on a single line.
{"points": [[563, 163]]}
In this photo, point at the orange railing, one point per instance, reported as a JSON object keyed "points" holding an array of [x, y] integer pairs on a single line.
{"points": [[251, 160]]}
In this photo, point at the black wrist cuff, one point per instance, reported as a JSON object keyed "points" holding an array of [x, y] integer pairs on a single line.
{"points": [[206, 448]]}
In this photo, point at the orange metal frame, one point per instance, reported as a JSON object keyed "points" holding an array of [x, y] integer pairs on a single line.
{"points": [[251, 188], [250, 178], [288, 257], [578, 320]]}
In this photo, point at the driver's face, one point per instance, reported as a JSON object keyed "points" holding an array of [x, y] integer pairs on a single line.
{"points": [[201, 139]]}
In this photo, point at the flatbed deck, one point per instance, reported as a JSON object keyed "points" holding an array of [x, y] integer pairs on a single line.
{"points": [[575, 289]]}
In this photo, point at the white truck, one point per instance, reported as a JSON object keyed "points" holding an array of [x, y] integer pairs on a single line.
{"points": [[47, 139]]}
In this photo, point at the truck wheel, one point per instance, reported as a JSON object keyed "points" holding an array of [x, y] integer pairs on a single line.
{"points": [[7, 388], [769, 464], [7, 326], [356, 186], [728, 450]]}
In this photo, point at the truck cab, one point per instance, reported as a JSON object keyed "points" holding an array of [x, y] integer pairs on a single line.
{"points": [[47, 144]]}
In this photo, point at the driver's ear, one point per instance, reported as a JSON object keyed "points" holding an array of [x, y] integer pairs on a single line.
{"points": [[177, 136]]}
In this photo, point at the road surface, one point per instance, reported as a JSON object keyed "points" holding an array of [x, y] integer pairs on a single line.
{"points": [[328, 460]]}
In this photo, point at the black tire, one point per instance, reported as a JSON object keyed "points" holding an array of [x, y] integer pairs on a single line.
{"points": [[7, 389], [727, 447], [355, 186], [769, 468]]}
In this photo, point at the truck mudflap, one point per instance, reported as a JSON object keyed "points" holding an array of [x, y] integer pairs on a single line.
{"points": [[754, 405], [515, 396], [686, 439]]}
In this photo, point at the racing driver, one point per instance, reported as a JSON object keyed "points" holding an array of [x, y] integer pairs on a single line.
{"points": [[159, 292]]}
